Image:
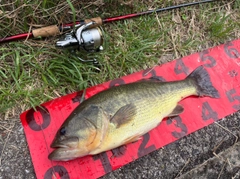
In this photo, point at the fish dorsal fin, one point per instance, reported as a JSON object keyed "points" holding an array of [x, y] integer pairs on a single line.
{"points": [[124, 115], [157, 79], [176, 111], [153, 79], [83, 96]]}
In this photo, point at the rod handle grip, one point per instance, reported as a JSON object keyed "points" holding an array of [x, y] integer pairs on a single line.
{"points": [[98, 21], [53, 30], [48, 31]]}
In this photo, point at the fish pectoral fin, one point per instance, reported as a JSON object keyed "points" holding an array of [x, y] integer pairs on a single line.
{"points": [[176, 111], [124, 115]]}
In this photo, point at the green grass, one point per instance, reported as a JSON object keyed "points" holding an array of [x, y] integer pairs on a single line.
{"points": [[34, 71], [218, 28]]}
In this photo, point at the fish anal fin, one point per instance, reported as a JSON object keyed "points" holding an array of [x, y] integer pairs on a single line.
{"points": [[132, 139], [176, 111], [124, 115]]}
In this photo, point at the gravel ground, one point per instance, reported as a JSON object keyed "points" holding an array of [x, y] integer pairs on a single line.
{"points": [[15, 160], [228, 161], [194, 156]]}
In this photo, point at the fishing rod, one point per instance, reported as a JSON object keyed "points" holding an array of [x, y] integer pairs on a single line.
{"points": [[86, 33]]}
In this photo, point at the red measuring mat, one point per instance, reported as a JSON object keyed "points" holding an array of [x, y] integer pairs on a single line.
{"points": [[41, 125]]}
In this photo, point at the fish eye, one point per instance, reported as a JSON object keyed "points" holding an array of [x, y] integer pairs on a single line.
{"points": [[63, 131]]}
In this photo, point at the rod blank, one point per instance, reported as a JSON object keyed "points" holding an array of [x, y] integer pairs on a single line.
{"points": [[54, 30]]}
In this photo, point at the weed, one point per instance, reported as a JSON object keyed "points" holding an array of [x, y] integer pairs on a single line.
{"points": [[221, 26]]}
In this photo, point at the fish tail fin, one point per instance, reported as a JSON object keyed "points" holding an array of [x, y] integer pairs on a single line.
{"points": [[203, 83]]}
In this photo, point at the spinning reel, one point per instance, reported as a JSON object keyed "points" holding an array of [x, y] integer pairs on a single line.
{"points": [[84, 36]]}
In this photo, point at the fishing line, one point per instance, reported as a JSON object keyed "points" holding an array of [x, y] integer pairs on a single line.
{"points": [[44, 137]]}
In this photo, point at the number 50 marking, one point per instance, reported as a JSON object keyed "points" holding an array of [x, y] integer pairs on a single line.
{"points": [[232, 97]]}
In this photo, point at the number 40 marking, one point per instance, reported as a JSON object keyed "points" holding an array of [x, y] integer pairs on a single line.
{"points": [[208, 112]]}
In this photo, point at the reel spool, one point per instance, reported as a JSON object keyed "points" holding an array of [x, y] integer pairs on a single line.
{"points": [[85, 37]]}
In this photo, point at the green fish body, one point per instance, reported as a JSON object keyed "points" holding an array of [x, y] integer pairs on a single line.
{"points": [[124, 113]]}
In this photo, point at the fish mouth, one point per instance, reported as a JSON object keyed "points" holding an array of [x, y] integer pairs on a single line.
{"points": [[66, 143], [64, 150], [63, 154], [58, 145]]}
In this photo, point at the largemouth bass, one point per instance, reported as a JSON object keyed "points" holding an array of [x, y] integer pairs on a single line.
{"points": [[122, 114]]}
